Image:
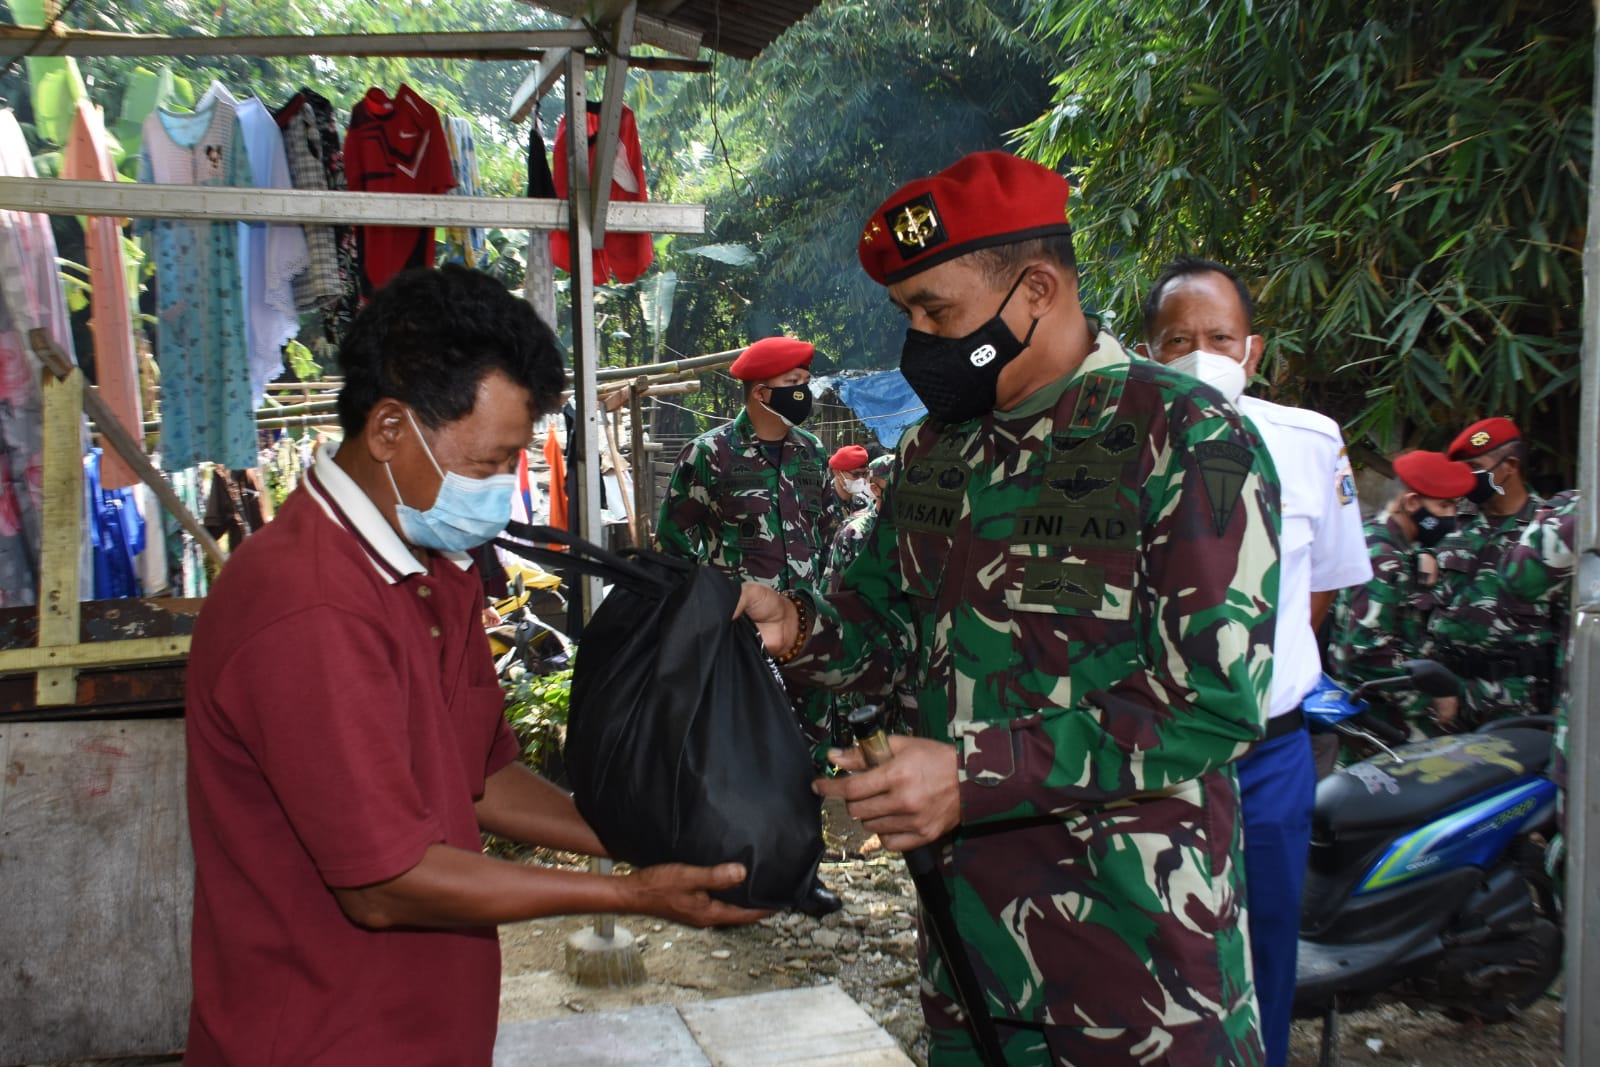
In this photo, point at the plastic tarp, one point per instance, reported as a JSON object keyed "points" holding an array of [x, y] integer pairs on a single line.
{"points": [[884, 402]]}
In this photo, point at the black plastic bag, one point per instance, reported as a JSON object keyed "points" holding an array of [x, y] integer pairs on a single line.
{"points": [[682, 746]]}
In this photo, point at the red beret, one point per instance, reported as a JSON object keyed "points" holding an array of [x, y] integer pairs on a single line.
{"points": [[848, 458], [982, 200], [1431, 474], [770, 357], [1485, 435]]}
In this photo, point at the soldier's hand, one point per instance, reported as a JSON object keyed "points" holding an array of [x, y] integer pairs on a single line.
{"points": [[911, 800], [682, 893], [773, 613], [1445, 711], [1427, 569]]}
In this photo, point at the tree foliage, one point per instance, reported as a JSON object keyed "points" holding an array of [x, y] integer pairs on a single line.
{"points": [[1404, 185], [790, 153]]}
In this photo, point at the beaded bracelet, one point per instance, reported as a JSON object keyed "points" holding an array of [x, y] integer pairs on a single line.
{"points": [[803, 629]]}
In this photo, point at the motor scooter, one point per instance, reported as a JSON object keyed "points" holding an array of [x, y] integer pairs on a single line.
{"points": [[1426, 880]]}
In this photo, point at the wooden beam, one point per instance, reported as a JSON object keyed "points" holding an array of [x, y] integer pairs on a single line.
{"points": [[33, 42], [67, 659], [61, 539], [605, 144], [58, 196], [651, 29]]}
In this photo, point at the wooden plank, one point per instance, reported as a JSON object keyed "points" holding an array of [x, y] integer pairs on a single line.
{"points": [[48, 658], [59, 196], [61, 538], [96, 876], [30, 40], [605, 143]]}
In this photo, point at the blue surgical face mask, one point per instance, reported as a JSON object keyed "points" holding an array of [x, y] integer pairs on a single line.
{"points": [[468, 512]]}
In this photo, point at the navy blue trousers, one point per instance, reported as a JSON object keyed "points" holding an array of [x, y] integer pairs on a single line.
{"points": [[1276, 783]]}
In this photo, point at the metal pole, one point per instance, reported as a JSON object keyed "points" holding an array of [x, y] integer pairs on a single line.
{"points": [[1583, 765]]}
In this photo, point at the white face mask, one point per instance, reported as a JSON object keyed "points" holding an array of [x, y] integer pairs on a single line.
{"points": [[1223, 373], [856, 487]]}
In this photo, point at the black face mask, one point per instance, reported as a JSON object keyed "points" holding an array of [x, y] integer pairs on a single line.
{"points": [[1431, 528], [1484, 487], [791, 403], [957, 377]]}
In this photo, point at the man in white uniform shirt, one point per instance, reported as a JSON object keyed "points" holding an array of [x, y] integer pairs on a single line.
{"points": [[1197, 318]]}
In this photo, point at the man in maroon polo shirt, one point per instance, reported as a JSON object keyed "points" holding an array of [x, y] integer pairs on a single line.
{"points": [[345, 732]]}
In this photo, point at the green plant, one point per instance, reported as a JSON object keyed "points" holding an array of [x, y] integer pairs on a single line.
{"points": [[536, 709]]}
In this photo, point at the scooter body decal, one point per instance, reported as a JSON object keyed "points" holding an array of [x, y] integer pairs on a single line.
{"points": [[1473, 836]]}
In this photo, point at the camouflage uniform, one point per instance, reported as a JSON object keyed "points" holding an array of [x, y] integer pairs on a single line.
{"points": [[1539, 570], [1378, 626], [1500, 645], [848, 541], [729, 507], [1084, 586]]}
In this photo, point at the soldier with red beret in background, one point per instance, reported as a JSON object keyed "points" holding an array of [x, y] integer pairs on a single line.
{"points": [[755, 499], [1076, 559], [1500, 645], [1376, 627]]}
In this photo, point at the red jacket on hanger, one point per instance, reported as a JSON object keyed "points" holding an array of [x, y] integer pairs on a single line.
{"points": [[625, 256], [395, 146]]}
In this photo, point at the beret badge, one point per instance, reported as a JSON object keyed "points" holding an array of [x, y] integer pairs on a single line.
{"points": [[1480, 439], [916, 226]]}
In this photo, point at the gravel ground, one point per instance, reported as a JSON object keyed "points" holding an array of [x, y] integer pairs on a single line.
{"points": [[869, 949]]}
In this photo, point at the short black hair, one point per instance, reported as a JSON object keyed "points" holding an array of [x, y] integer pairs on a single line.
{"points": [[429, 336], [1000, 263], [1188, 267]]}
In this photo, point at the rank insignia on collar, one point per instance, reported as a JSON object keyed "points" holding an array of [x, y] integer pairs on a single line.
{"points": [[916, 226], [1479, 439], [1089, 404]]}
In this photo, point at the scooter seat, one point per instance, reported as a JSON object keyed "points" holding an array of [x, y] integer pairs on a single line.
{"points": [[1428, 779]]}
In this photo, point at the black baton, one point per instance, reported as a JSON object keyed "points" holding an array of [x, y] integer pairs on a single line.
{"points": [[936, 907]]}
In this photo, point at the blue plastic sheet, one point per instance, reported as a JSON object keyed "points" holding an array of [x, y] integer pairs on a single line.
{"points": [[884, 402]]}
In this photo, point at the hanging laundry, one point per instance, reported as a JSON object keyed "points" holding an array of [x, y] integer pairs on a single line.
{"points": [[539, 282], [270, 256], [625, 256], [30, 298], [312, 142], [190, 571], [236, 505], [117, 534], [395, 146], [207, 413], [462, 244], [110, 314]]}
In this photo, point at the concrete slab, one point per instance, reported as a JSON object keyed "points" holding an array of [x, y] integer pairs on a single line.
{"points": [[820, 1026], [653, 1036]]}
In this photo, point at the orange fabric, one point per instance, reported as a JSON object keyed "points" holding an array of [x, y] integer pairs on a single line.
{"points": [[558, 481], [110, 318]]}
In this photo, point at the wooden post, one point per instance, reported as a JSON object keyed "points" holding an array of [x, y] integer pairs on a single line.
{"points": [[645, 532], [62, 536]]}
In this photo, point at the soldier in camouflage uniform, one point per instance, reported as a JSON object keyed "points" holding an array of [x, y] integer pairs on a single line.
{"points": [[1078, 558], [1501, 647], [755, 498], [1378, 626], [860, 486], [1539, 570]]}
